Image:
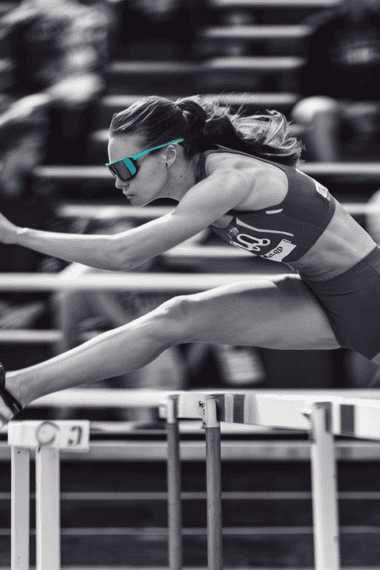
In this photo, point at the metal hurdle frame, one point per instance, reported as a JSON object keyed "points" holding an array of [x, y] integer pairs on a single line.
{"points": [[322, 418], [47, 438]]}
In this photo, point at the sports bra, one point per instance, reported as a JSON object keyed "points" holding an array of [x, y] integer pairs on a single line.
{"points": [[284, 232]]}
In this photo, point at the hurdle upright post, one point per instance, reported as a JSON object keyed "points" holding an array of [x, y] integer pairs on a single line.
{"points": [[48, 531], [20, 507], [214, 484], [47, 438], [174, 485], [324, 487]]}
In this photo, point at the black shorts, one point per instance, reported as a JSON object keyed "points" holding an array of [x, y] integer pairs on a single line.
{"points": [[352, 303]]}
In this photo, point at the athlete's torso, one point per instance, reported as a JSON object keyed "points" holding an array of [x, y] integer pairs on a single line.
{"points": [[308, 229]]}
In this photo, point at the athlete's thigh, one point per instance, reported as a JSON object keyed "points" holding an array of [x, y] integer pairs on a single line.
{"points": [[282, 314]]}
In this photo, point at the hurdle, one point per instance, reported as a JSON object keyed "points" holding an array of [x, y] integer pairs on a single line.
{"points": [[322, 417], [47, 438]]}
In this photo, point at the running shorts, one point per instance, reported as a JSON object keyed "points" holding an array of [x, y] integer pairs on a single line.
{"points": [[352, 303]]}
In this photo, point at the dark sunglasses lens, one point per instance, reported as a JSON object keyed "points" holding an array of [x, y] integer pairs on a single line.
{"points": [[120, 170]]}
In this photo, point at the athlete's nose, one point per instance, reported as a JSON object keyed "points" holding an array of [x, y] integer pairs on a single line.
{"points": [[120, 184]]}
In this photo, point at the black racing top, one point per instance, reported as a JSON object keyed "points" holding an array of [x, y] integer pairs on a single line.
{"points": [[284, 232]]}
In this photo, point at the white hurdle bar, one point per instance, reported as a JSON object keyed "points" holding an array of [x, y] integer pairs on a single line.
{"points": [[322, 417]]}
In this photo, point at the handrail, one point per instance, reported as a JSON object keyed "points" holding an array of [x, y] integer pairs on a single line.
{"points": [[110, 211], [255, 32], [233, 4], [251, 98], [143, 282], [265, 63], [257, 63], [360, 170]]}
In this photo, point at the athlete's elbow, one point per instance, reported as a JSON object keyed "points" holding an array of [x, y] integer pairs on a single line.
{"points": [[119, 257]]}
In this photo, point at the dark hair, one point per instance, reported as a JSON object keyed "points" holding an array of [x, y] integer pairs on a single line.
{"points": [[204, 123]]}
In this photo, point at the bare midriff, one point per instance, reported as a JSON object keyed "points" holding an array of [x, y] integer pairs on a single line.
{"points": [[341, 246]]}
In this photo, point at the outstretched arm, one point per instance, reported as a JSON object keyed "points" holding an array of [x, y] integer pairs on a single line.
{"points": [[203, 204], [137, 343]]}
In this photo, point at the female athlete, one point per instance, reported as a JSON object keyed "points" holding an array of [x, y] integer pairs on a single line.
{"points": [[239, 176]]}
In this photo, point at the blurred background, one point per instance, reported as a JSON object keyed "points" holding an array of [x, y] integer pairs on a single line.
{"points": [[65, 67]]}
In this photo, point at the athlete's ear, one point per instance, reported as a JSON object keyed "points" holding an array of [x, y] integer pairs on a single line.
{"points": [[170, 154]]}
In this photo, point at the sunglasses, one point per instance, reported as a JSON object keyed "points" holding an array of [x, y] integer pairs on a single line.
{"points": [[126, 168]]}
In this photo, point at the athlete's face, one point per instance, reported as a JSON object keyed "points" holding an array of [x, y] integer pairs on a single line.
{"points": [[151, 179]]}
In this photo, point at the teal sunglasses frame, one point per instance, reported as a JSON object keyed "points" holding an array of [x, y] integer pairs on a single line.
{"points": [[126, 168]]}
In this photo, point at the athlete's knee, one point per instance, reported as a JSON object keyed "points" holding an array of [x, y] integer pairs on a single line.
{"points": [[310, 109], [175, 318]]}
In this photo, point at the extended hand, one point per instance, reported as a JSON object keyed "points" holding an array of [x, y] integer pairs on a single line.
{"points": [[8, 231]]}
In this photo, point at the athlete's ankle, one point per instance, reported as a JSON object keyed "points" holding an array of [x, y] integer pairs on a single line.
{"points": [[16, 388]]}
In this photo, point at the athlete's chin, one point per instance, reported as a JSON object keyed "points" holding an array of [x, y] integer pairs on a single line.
{"points": [[138, 202], [133, 200]]}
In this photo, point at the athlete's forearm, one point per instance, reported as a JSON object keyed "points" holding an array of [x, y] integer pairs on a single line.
{"points": [[96, 251]]}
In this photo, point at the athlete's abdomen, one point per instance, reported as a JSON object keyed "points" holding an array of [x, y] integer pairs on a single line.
{"points": [[343, 244]]}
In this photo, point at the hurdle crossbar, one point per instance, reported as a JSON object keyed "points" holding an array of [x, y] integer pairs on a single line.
{"points": [[119, 397]]}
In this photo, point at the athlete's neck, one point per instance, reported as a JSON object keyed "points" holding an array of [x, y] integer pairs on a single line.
{"points": [[183, 175]]}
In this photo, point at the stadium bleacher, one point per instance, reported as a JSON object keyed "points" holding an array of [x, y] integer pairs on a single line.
{"points": [[127, 80], [267, 495]]}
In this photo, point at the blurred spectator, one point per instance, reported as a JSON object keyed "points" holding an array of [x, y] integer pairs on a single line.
{"points": [[58, 50], [159, 29], [340, 112], [25, 202]]}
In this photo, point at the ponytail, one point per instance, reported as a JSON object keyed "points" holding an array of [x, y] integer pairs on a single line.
{"points": [[204, 123], [263, 135]]}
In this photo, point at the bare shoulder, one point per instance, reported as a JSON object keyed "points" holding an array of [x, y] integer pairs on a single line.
{"points": [[246, 164], [269, 183]]}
